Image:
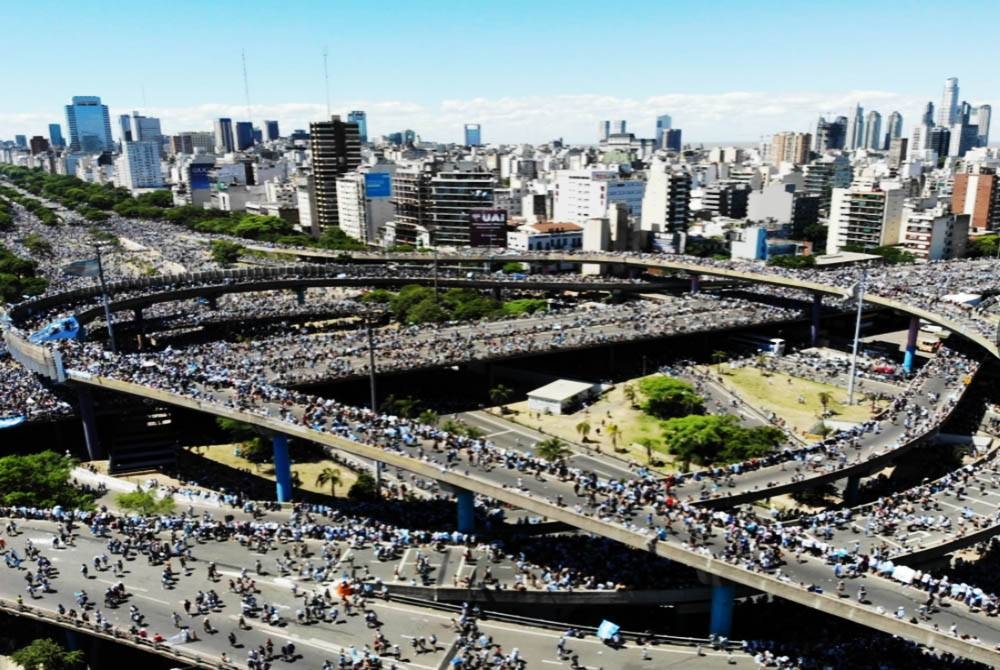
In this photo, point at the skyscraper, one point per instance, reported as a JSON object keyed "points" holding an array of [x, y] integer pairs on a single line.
{"points": [[873, 131], [983, 114], [361, 118], [856, 129], [895, 128], [673, 140], [243, 135], [89, 125], [56, 136], [473, 135], [948, 111], [663, 124], [124, 128], [21, 141], [603, 130], [336, 149], [830, 134], [271, 131], [928, 117], [224, 136]]}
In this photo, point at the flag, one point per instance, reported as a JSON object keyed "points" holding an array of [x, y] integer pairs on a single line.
{"points": [[84, 268]]}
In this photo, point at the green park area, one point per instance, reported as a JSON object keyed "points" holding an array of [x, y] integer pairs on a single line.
{"points": [[655, 420], [801, 403]]}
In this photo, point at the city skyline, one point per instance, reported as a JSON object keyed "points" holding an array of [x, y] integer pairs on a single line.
{"points": [[562, 93]]}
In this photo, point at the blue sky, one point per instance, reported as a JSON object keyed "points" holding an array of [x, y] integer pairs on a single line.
{"points": [[527, 70]]}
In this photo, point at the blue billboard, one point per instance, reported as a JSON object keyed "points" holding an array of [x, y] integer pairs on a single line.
{"points": [[378, 185], [199, 175]]}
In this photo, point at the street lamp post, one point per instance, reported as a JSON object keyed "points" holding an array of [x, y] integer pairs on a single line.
{"points": [[857, 337], [104, 298], [371, 386]]}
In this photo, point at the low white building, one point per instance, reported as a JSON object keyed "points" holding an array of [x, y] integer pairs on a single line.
{"points": [[561, 395]]}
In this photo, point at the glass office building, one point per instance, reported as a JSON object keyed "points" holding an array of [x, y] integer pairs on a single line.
{"points": [[89, 125]]}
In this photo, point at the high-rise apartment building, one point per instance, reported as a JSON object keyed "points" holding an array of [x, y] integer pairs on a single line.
{"points": [[473, 135], [437, 200], [581, 195], [939, 140], [139, 128], [864, 215], [947, 114], [856, 129], [361, 118], [603, 130], [873, 131], [21, 142], [224, 143], [726, 198], [898, 151], [830, 134], [790, 147], [139, 165], [89, 125], [666, 203], [336, 149], [189, 142], [56, 136], [271, 132], [663, 124], [243, 135], [38, 145], [824, 174], [977, 193]]}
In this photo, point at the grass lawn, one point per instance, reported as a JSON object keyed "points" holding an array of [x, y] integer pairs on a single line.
{"points": [[224, 454], [794, 399], [612, 408]]}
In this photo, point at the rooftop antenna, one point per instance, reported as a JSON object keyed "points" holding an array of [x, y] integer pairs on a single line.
{"points": [[246, 87], [326, 80]]}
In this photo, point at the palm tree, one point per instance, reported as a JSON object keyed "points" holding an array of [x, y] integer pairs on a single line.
{"points": [[583, 428], [552, 449], [613, 432], [500, 395], [824, 398], [330, 476], [648, 444], [718, 357], [630, 395], [428, 417]]}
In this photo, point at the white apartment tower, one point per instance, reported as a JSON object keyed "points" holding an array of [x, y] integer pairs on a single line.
{"points": [[666, 204], [139, 165], [864, 215], [581, 195]]}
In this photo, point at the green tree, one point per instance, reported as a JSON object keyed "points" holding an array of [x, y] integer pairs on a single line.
{"points": [[363, 488], [47, 654], [501, 395], [710, 439], [825, 398], [614, 432], [330, 476], [40, 480], [719, 357], [983, 246], [225, 253], [648, 444], [144, 502], [512, 267], [667, 397], [630, 395], [404, 407], [794, 262], [429, 417], [583, 430], [552, 449]]}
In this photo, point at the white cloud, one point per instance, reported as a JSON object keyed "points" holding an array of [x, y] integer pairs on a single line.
{"points": [[733, 115]]}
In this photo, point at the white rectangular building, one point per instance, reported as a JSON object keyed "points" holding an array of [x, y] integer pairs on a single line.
{"points": [[581, 195], [139, 165], [867, 216]]}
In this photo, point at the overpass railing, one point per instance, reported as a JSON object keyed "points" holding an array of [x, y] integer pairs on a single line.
{"points": [[40, 360]]}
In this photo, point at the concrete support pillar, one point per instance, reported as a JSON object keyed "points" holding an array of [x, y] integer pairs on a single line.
{"points": [[465, 501], [213, 302], [911, 344], [300, 296], [721, 622], [89, 420], [496, 292], [695, 284], [851, 489], [282, 468], [817, 310], [140, 326]]}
